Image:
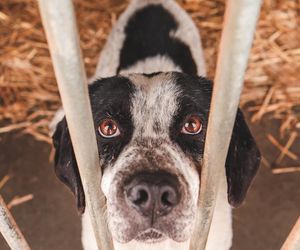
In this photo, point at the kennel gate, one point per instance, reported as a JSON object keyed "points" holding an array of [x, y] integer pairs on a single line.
{"points": [[62, 35]]}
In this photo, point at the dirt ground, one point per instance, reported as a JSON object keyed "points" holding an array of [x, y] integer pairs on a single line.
{"points": [[50, 220]]}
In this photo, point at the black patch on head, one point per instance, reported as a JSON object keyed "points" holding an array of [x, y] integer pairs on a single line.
{"points": [[110, 98], [243, 156], [148, 34], [193, 100]]}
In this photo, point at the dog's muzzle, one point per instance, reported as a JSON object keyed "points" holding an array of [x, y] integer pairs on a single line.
{"points": [[151, 195]]}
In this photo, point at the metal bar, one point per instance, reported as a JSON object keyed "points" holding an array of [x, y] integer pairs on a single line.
{"points": [[10, 230], [62, 35], [237, 36], [293, 240]]}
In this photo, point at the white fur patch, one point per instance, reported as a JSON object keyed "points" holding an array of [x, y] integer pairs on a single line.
{"points": [[154, 101], [165, 245]]}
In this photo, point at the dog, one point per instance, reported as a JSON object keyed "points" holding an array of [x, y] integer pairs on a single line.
{"points": [[150, 102]]}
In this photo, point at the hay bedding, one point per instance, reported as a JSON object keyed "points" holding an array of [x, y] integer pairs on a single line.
{"points": [[28, 91]]}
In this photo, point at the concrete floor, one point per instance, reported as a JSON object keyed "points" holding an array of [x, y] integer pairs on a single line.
{"points": [[50, 220]]}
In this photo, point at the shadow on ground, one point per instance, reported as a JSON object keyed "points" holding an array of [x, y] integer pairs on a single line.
{"points": [[50, 220]]}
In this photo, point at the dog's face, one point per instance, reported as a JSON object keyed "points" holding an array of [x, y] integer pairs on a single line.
{"points": [[150, 133]]}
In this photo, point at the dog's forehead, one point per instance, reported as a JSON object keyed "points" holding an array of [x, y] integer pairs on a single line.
{"points": [[150, 101], [154, 103]]}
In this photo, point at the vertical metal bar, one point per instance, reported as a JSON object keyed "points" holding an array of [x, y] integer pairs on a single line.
{"points": [[62, 35], [237, 36], [293, 240], [10, 230]]}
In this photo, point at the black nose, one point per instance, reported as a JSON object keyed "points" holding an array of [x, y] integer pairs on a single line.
{"points": [[152, 194]]}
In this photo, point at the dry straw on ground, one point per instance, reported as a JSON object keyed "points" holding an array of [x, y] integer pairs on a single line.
{"points": [[28, 91]]}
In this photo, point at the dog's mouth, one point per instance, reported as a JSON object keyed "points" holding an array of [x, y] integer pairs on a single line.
{"points": [[150, 236]]}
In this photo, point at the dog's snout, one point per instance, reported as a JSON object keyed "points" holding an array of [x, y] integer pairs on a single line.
{"points": [[152, 194]]}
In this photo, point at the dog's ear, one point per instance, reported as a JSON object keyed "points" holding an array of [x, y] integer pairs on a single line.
{"points": [[66, 167], [242, 161]]}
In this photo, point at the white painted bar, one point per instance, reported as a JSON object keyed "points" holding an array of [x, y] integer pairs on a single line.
{"points": [[62, 35], [237, 36], [293, 240], [10, 230]]}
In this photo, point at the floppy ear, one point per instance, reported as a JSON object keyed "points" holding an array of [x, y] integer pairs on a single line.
{"points": [[242, 161], [66, 167]]}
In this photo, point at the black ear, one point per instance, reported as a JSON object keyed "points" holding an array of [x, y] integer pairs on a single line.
{"points": [[66, 167], [242, 161]]}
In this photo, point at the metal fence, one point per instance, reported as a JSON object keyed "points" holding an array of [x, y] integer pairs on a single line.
{"points": [[237, 36], [9, 229], [62, 35]]}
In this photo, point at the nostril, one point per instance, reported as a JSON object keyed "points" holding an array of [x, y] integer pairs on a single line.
{"points": [[140, 197], [169, 197]]}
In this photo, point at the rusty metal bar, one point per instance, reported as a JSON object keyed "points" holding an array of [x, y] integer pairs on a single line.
{"points": [[10, 230], [62, 35], [293, 240], [237, 36]]}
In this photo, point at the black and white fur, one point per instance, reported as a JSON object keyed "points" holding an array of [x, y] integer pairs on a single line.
{"points": [[147, 79]]}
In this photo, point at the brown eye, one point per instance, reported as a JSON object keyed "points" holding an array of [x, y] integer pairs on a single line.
{"points": [[192, 125], [108, 128]]}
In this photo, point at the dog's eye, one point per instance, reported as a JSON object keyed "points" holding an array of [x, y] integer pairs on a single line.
{"points": [[192, 125], [108, 128]]}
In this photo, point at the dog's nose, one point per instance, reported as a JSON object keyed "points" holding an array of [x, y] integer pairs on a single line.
{"points": [[153, 194]]}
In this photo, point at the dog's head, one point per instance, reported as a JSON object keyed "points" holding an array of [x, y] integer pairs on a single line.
{"points": [[151, 132]]}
